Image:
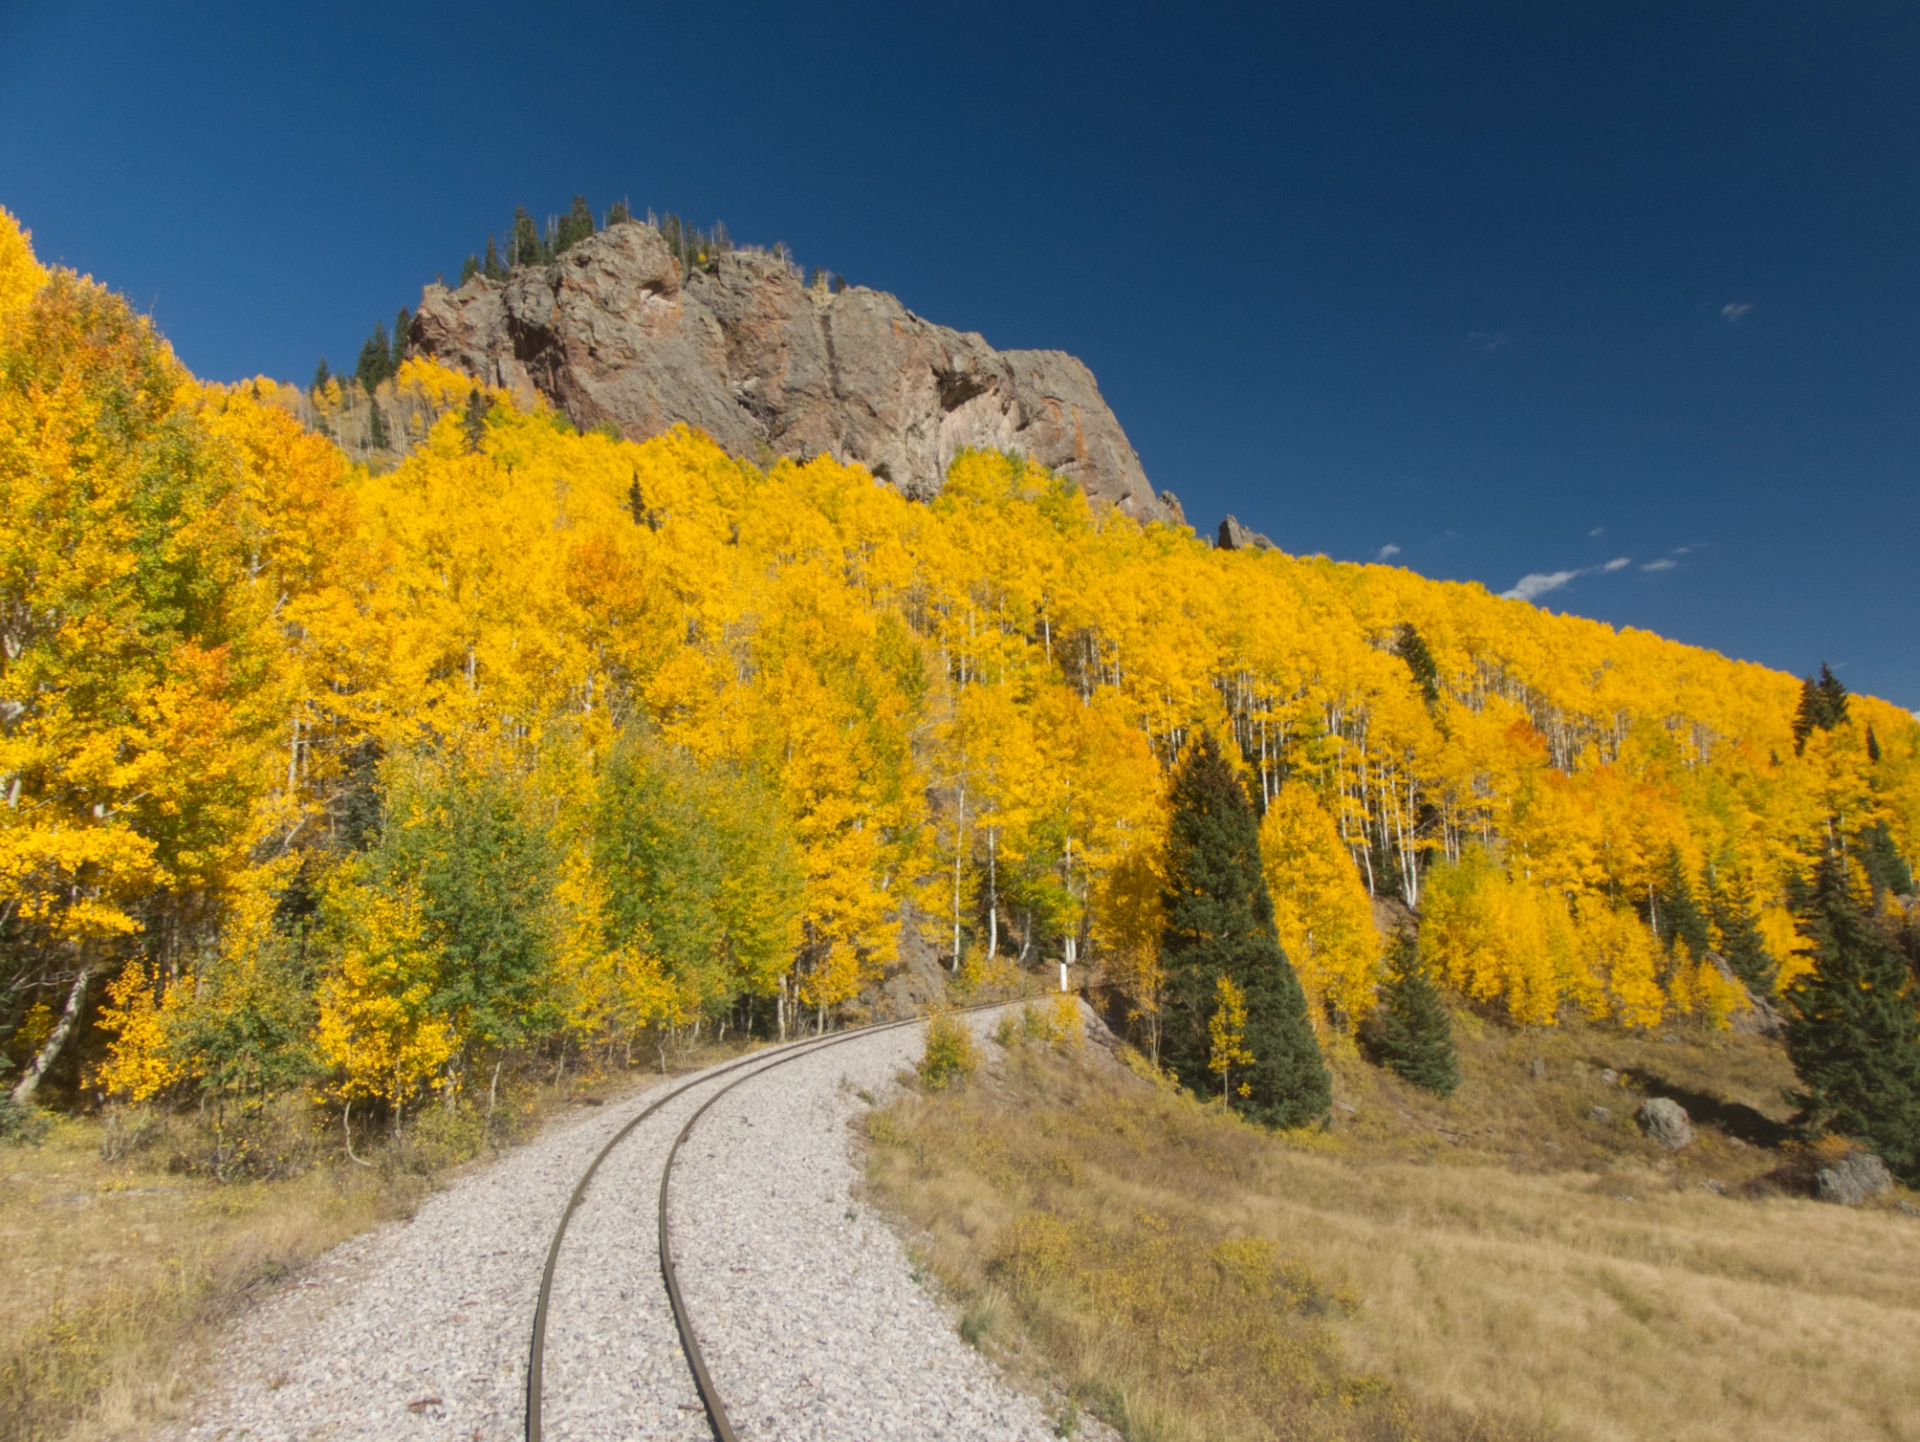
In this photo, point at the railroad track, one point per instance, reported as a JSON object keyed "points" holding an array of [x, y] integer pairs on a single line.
{"points": [[747, 1068]]}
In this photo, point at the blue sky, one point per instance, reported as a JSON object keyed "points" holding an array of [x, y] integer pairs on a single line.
{"points": [[1519, 290]]}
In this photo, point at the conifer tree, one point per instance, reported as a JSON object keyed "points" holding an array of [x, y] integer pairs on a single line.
{"points": [[376, 428], [575, 226], [525, 248], [469, 268], [617, 214], [321, 375], [1411, 647], [476, 422], [1823, 707], [1411, 1034], [1873, 745], [402, 323], [1734, 917], [1219, 923], [1854, 1035], [1887, 870], [375, 356], [491, 267], [1676, 914]]}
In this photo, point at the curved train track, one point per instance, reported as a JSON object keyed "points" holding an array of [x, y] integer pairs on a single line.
{"points": [[758, 1064]]}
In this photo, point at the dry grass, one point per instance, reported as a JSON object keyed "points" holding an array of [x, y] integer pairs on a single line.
{"points": [[1498, 1264], [125, 1253]]}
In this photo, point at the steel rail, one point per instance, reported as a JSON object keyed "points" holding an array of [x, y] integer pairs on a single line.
{"points": [[683, 1323]]}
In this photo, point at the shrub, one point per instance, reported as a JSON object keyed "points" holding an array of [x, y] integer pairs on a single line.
{"points": [[951, 1055]]}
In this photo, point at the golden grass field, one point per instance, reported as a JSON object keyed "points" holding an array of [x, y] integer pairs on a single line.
{"points": [[1496, 1265]]}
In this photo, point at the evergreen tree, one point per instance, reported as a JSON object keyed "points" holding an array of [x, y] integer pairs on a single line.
{"points": [[376, 428], [575, 226], [1412, 1035], [1823, 706], [491, 267], [1736, 919], [1676, 914], [1873, 746], [469, 268], [321, 375], [1219, 922], [1887, 870], [525, 247], [375, 356], [402, 323], [1411, 647], [1854, 1036], [617, 214], [476, 422]]}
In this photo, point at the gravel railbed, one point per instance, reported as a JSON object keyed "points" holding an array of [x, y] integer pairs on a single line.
{"points": [[811, 1319]]}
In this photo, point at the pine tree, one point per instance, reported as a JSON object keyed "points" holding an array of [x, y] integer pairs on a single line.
{"points": [[476, 422], [491, 267], [1823, 706], [1676, 914], [1219, 923], [375, 356], [402, 323], [1734, 917], [321, 375], [1873, 746], [469, 268], [1411, 1034], [575, 226], [377, 436], [525, 247], [1887, 870], [1854, 1036], [617, 214], [1411, 647]]}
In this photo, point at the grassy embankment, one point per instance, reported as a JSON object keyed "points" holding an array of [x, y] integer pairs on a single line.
{"points": [[1501, 1264], [130, 1238]]}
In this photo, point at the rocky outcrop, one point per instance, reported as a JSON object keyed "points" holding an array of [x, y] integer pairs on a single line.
{"points": [[615, 334], [1236, 537]]}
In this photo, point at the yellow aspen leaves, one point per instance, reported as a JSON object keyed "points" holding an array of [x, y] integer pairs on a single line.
{"points": [[1227, 1036]]}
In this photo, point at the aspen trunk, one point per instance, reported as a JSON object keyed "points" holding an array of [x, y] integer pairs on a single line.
{"points": [[50, 1049]]}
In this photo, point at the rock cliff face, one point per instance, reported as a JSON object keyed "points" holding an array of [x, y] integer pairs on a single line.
{"points": [[613, 333]]}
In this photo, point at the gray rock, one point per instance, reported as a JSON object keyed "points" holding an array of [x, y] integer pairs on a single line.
{"points": [[1236, 537], [1665, 1122], [1762, 1018], [1850, 1182], [1602, 1115], [614, 334]]}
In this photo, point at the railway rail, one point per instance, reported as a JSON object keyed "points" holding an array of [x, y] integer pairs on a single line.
{"points": [[750, 1067]]}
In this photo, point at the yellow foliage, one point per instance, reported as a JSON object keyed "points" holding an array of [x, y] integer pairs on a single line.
{"points": [[137, 1065], [1227, 1035], [20, 274], [376, 1028], [1320, 905]]}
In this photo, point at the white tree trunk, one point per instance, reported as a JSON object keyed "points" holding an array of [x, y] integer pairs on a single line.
{"points": [[50, 1050]]}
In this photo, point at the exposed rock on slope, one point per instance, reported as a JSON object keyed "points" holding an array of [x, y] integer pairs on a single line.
{"points": [[613, 333]]}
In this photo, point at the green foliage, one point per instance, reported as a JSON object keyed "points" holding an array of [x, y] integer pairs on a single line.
{"points": [[475, 425], [695, 249], [321, 375], [575, 226], [491, 267], [697, 870], [1219, 922], [1737, 919], [469, 268], [951, 1055], [1887, 870], [22, 1126], [1411, 647], [247, 1031], [376, 359], [1854, 1037], [377, 436], [525, 248], [1676, 914], [1411, 1034], [402, 323], [1823, 707], [618, 214]]}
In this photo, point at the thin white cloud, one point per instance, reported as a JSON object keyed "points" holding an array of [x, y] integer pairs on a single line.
{"points": [[1734, 309], [1538, 583], [1663, 564], [1618, 563], [1487, 339], [1385, 551], [1596, 531]]}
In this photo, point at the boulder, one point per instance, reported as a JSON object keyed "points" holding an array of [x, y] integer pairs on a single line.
{"points": [[614, 333], [1665, 1122], [1760, 1017], [1850, 1182]]}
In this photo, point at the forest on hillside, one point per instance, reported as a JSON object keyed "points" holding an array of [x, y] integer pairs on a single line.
{"points": [[317, 778]]}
